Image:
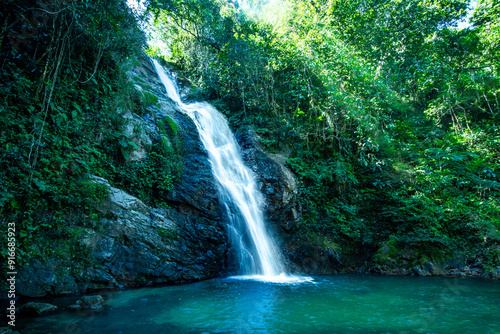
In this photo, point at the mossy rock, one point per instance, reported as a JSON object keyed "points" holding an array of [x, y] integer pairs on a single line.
{"points": [[34, 308]]}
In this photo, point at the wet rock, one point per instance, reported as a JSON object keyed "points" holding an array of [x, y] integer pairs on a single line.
{"points": [[276, 182], [429, 269], [281, 208], [311, 259], [197, 191], [94, 303], [34, 308], [419, 271], [38, 278], [434, 269]]}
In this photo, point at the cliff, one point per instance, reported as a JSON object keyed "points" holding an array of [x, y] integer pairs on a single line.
{"points": [[133, 244]]}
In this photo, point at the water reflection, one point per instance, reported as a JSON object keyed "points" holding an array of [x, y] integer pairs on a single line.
{"points": [[332, 304]]}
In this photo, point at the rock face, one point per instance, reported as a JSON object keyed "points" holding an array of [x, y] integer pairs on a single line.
{"points": [[301, 251], [197, 192], [135, 244], [275, 181], [279, 187], [150, 245]]}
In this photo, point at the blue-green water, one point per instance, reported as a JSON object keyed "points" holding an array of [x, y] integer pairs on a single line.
{"points": [[331, 304]]}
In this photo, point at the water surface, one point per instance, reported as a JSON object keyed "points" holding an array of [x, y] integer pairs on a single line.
{"points": [[330, 304]]}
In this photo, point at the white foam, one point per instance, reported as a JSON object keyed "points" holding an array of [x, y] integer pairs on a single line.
{"points": [[278, 279]]}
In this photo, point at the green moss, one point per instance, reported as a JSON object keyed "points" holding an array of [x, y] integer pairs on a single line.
{"points": [[388, 253], [149, 99], [152, 178], [168, 235]]}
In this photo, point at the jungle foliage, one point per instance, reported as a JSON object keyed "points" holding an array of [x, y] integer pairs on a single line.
{"points": [[63, 93], [387, 112]]}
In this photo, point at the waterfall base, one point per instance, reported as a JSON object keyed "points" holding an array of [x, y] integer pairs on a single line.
{"points": [[237, 188], [278, 279]]}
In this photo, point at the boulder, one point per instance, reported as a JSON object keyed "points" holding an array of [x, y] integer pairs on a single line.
{"points": [[34, 308], [420, 271], [93, 303], [435, 269]]}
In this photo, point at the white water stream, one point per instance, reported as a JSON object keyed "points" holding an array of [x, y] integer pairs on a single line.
{"points": [[258, 254]]}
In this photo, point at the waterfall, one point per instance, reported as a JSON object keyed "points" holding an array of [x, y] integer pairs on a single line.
{"points": [[257, 252]]}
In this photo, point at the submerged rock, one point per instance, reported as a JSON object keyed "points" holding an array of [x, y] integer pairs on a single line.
{"points": [[34, 308]]}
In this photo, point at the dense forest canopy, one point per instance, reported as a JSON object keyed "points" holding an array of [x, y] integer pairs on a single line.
{"points": [[387, 113]]}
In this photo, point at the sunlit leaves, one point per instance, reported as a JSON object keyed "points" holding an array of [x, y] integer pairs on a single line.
{"points": [[487, 19], [386, 111]]}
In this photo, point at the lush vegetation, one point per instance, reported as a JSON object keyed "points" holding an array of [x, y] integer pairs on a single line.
{"points": [[64, 93], [387, 112]]}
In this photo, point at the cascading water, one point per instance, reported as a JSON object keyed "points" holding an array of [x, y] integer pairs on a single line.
{"points": [[258, 254]]}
